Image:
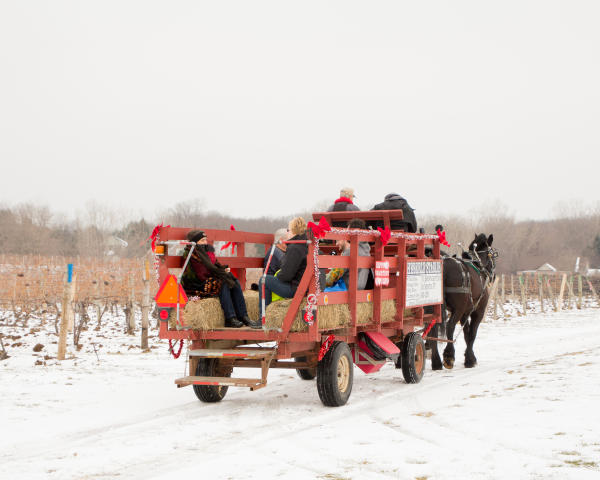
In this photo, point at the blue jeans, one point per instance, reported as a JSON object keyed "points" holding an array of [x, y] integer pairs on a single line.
{"points": [[232, 301], [273, 285]]}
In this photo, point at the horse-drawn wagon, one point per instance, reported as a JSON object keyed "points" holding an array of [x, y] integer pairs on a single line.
{"points": [[320, 334]]}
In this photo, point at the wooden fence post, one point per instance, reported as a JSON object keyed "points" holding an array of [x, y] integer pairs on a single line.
{"points": [[66, 313], [130, 317], [145, 304], [580, 286], [503, 299], [541, 292], [71, 317], [563, 283], [494, 297], [512, 288], [523, 295], [551, 296]]}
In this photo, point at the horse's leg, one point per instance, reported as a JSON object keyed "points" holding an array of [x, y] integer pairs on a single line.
{"points": [[436, 361], [449, 350], [476, 317]]}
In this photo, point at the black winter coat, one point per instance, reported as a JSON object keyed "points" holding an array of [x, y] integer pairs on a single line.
{"points": [[396, 202], [294, 262]]}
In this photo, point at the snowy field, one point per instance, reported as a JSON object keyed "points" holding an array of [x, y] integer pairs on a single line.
{"points": [[531, 409]]}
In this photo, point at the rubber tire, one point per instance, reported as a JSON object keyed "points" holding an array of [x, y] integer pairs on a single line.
{"points": [[413, 367], [327, 375], [378, 352], [398, 361], [207, 367], [305, 373]]}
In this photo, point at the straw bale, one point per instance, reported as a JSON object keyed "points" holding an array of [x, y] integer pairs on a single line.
{"points": [[330, 317], [207, 314]]}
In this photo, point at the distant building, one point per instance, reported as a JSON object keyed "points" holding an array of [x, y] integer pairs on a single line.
{"points": [[545, 269], [593, 272]]}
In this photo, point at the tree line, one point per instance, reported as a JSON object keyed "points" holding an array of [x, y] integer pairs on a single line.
{"points": [[28, 229]]}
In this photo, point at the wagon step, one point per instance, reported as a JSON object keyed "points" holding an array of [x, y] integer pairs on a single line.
{"points": [[256, 353], [252, 383]]}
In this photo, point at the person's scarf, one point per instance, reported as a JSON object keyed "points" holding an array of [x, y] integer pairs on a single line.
{"points": [[201, 254]]}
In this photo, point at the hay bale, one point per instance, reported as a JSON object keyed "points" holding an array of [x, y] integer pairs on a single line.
{"points": [[330, 317], [251, 298], [207, 314]]}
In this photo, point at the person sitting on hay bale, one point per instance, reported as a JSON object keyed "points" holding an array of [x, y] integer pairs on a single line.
{"points": [[205, 277], [292, 266], [364, 250]]}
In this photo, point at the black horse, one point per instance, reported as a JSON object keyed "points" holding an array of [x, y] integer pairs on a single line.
{"points": [[466, 294]]}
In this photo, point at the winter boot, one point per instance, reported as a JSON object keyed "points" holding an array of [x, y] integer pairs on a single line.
{"points": [[233, 323], [247, 321]]}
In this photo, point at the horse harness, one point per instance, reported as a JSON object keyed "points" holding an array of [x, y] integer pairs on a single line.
{"points": [[482, 271]]}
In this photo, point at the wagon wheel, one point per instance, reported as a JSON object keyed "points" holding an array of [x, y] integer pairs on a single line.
{"points": [[305, 373], [413, 358], [335, 375], [211, 367]]}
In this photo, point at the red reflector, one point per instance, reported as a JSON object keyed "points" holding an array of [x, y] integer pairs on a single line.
{"points": [[164, 314]]}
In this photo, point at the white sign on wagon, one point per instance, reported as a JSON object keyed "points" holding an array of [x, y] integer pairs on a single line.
{"points": [[382, 274], [423, 283]]}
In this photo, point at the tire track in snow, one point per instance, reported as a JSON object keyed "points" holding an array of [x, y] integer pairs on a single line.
{"points": [[186, 416]]}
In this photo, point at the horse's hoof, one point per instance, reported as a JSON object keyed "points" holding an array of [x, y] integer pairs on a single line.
{"points": [[449, 363], [437, 367], [470, 364]]}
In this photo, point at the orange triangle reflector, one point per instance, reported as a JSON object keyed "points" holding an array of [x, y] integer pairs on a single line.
{"points": [[167, 293]]}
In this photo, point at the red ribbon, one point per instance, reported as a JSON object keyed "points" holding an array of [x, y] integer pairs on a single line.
{"points": [[428, 328], [326, 346], [442, 237], [172, 350], [385, 235], [321, 229], [154, 234], [230, 244]]}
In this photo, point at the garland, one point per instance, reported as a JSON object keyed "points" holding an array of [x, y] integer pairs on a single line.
{"points": [[321, 229], [171, 349]]}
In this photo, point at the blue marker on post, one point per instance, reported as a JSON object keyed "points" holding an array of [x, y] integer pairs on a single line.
{"points": [[69, 272]]}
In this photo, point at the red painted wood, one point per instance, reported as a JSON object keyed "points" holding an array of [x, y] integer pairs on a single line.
{"points": [[377, 290], [353, 280], [293, 342], [384, 342]]}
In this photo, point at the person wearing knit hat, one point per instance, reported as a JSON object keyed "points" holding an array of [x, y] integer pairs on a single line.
{"points": [[343, 204], [205, 277], [195, 235]]}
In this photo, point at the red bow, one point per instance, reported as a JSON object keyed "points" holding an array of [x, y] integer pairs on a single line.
{"points": [[154, 234], [442, 237], [321, 229], [230, 244], [385, 235]]}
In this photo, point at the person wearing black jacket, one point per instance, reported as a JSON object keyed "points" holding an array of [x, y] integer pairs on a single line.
{"points": [[293, 265], [393, 201]]}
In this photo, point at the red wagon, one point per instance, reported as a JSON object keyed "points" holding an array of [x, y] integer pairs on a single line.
{"points": [[408, 272]]}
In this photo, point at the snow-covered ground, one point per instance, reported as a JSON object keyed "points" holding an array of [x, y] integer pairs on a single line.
{"points": [[530, 409]]}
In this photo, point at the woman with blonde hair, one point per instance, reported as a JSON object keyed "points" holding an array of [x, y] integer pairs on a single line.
{"points": [[292, 266]]}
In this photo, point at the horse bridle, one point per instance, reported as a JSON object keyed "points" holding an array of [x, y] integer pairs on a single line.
{"points": [[492, 254]]}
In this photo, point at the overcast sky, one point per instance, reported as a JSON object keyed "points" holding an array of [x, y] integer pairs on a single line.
{"points": [[268, 108]]}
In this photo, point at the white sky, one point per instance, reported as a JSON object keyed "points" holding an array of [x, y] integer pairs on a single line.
{"points": [[268, 108]]}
